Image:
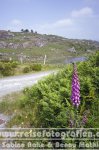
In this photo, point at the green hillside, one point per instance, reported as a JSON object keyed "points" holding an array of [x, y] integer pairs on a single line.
{"points": [[33, 47]]}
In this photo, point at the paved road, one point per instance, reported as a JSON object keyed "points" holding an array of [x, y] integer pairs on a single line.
{"points": [[17, 83]]}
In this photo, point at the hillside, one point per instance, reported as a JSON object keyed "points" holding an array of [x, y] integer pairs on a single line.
{"points": [[31, 46]]}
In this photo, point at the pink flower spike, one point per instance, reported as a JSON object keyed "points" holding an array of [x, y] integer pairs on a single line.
{"points": [[75, 93]]}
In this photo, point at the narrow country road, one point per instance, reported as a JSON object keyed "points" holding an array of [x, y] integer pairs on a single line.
{"points": [[17, 83]]}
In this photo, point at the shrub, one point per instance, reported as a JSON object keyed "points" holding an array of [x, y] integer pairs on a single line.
{"points": [[50, 99], [26, 69], [14, 64], [36, 67], [6, 69]]}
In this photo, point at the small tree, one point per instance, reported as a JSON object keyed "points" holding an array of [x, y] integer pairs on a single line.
{"points": [[35, 32], [22, 30], [31, 31], [26, 30]]}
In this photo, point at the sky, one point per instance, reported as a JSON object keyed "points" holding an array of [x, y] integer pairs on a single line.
{"points": [[76, 19]]}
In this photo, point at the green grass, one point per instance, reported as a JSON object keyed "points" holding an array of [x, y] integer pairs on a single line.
{"points": [[30, 67], [9, 103]]}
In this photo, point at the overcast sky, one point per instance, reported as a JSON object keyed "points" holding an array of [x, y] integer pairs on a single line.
{"points": [[68, 18]]}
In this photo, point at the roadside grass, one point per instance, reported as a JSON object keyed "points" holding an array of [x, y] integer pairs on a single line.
{"points": [[27, 68], [13, 105], [9, 103]]}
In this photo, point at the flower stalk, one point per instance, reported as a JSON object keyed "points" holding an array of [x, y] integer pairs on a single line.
{"points": [[75, 93]]}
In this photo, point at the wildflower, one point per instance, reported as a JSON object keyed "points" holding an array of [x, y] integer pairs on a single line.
{"points": [[71, 123], [85, 119], [75, 96]]}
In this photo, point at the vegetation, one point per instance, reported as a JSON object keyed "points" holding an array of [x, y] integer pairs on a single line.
{"points": [[36, 67], [29, 46], [48, 104], [7, 68], [26, 69], [32, 67]]}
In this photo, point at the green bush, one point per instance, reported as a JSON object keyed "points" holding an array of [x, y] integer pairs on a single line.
{"points": [[47, 104], [26, 69], [95, 59], [14, 64], [6, 69], [36, 67]]}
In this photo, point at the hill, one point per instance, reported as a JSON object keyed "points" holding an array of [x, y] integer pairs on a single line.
{"points": [[31, 46]]}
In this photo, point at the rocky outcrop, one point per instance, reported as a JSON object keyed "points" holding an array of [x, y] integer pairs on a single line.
{"points": [[3, 44], [6, 34], [14, 45], [12, 41], [21, 40], [40, 43], [72, 50]]}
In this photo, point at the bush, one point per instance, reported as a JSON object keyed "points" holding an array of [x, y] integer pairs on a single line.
{"points": [[36, 67], [6, 69], [14, 64], [26, 69], [50, 99]]}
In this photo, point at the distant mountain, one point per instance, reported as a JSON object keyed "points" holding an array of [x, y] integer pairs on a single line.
{"points": [[33, 46]]}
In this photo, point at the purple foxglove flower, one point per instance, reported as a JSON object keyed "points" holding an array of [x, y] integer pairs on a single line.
{"points": [[75, 93]]}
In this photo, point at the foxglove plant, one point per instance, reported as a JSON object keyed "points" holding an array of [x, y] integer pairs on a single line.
{"points": [[75, 93]]}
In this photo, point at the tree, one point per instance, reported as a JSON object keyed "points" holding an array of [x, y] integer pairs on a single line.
{"points": [[22, 30], [35, 32], [31, 31], [26, 30]]}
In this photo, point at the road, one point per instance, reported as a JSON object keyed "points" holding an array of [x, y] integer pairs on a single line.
{"points": [[17, 83]]}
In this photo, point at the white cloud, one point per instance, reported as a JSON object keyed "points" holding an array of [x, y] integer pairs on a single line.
{"points": [[79, 24], [69, 22], [63, 23], [16, 22], [58, 24], [84, 12]]}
